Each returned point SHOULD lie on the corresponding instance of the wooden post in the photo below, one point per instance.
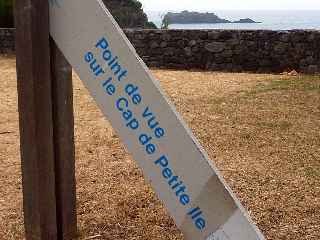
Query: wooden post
(63, 126)
(46, 127)
(35, 115)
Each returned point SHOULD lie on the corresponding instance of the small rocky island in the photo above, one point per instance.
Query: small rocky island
(245, 20)
(186, 17)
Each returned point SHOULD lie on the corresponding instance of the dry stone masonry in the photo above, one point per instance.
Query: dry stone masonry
(7, 39)
(220, 50)
(229, 50)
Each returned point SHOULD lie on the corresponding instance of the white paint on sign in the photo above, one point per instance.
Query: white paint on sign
(173, 161)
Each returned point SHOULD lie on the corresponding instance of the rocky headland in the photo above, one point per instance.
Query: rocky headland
(186, 17)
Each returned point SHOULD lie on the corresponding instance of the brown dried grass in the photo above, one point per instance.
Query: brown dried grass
(261, 130)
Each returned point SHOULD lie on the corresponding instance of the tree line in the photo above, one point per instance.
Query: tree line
(128, 13)
(6, 14)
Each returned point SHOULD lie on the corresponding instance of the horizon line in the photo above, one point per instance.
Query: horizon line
(203, 10)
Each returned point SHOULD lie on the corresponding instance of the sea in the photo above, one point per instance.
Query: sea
(270, 20)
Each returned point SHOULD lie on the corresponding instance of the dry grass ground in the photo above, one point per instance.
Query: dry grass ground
(261, 130)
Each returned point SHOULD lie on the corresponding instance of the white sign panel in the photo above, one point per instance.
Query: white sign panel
(201, 204)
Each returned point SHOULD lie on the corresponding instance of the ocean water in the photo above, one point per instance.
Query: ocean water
(271, 20)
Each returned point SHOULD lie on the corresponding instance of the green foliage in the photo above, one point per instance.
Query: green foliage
(6, 14)
(150, 25)
(128, 13)
(135, 4)
(165, 23)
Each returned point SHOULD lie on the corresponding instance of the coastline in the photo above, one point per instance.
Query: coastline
(272, 20)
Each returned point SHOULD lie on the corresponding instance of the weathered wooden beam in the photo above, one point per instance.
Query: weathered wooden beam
(36, 122)
(63, 126)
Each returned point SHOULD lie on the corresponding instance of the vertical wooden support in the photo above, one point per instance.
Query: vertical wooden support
(35, 114)
(46, 127)
(63, 126)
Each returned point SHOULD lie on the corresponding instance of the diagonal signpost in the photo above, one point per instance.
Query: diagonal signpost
(172, 160)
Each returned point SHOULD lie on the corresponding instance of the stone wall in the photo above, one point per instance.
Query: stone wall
(220, 50)
(229, 50)
(7, 41)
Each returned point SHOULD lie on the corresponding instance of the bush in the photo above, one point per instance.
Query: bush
(165, 23)
(136, 4)
(6, 14)
(150, 25)
(128, 13)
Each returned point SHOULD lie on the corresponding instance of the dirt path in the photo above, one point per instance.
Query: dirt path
(262, 131)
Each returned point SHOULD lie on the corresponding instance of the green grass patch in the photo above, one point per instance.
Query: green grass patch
(279, 125)
(312, 172)
(218, 104)
(300, 83)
